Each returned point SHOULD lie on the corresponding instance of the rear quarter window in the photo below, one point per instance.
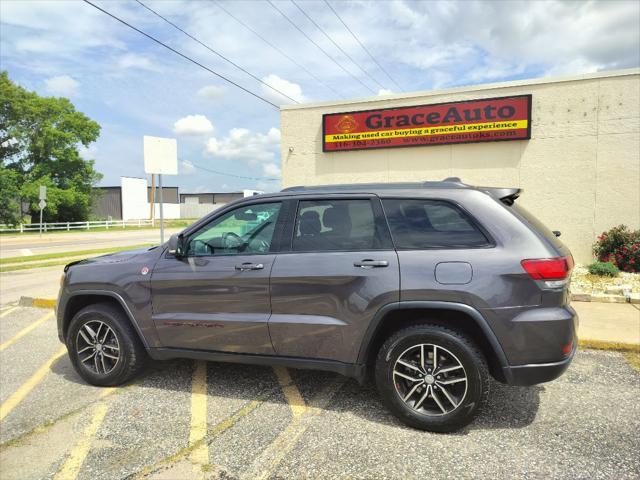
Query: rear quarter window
(419, 224)
(536, 224)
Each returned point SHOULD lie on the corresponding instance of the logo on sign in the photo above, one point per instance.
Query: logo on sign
(346, 124)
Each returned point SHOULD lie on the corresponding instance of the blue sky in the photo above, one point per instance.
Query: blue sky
(134, 87)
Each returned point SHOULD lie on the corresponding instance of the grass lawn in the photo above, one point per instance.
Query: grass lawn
(58, 258)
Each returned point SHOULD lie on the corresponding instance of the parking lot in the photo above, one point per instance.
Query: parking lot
(185, 419)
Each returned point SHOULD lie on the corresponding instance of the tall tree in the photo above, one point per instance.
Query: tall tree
(39, 141)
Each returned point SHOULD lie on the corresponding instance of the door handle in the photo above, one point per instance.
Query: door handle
(367, 263)
(249, 266)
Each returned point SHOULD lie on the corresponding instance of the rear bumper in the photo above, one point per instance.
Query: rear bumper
(534, 373)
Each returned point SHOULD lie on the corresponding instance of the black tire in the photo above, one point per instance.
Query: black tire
(131, 353)
(452, 346)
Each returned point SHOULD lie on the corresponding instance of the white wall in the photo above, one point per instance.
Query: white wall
(134, 198)
(197, 210)
(135, 201)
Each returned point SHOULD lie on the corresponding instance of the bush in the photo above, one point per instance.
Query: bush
(603, 269)
(621, 247)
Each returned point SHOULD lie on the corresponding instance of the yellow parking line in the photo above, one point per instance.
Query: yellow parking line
(71, 467)
(16, 397)
(291, 392)
(198, 432)
(214, 432)
(24, 331)
(267, 462)
(8, 311)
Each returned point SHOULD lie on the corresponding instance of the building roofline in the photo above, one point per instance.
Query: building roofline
(210, 193)
(469, 88)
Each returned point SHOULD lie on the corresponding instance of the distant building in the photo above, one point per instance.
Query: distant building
(129, 202)
(216, 197)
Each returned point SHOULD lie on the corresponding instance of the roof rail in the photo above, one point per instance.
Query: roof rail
(450, 182)
(506, 195)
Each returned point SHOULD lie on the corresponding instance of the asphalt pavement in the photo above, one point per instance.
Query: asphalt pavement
(184, 419)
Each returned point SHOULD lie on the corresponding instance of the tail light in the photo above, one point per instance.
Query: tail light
(554, 271)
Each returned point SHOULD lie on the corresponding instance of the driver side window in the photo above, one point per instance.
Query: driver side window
(244, 230)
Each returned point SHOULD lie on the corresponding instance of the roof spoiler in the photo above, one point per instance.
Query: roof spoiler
(506, 195)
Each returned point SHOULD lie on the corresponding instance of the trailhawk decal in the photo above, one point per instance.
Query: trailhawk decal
(487, 120)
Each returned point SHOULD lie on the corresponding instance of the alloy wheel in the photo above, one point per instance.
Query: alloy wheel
(97, 347)
(430, 379)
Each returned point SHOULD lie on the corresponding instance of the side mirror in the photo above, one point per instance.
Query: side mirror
(176, 245)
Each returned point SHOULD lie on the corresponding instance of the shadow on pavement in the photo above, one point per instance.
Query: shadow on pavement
(508, 407)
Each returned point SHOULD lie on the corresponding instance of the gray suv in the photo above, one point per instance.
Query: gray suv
(429, 287)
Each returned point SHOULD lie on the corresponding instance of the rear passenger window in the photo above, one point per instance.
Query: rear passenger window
(337, 225)
(417, 224)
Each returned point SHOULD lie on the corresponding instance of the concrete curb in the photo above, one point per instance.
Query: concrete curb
(37, 302)
(611, 346)
(605, 298)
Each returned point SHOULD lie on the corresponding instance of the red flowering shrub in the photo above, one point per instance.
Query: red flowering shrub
(621, 247)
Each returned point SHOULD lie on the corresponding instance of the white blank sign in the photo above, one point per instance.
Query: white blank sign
(160, 155)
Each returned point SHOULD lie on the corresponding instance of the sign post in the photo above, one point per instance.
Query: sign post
(160, 157)
(42, 204)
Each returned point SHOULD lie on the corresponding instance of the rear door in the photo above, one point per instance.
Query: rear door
(217, 297)
(438, 244)
(338, 270)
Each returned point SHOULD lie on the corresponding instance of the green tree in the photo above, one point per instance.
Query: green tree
(39, 141)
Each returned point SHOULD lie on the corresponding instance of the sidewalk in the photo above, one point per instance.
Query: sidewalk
(609, 322)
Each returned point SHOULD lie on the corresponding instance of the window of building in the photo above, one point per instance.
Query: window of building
(417, 224)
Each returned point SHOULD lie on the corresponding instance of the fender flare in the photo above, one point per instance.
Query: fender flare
(438, 305)
(118, 298)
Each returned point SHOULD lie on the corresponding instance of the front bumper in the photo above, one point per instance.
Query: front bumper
(534, 373)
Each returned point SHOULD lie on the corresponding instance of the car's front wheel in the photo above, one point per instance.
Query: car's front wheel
(432, 378)
(103, 346)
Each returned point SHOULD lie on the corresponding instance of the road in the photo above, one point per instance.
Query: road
(184, 419)
(31, 244)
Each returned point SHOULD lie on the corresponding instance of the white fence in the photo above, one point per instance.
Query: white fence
(68, 226)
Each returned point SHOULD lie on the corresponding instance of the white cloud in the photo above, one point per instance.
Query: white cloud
(271, 170)
(242, 144)
(187, 168)
(47, 28)
(136, 61)
(211, 92)
(62, 85)
(471, 42)
(292, 90)
(193, 125)
(385, 91)
(88, 152)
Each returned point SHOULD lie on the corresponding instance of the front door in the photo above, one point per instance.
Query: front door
(340, 269)
(217, 296)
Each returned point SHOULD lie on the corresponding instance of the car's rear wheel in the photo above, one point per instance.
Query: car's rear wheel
(103, 346)
(432, 378)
